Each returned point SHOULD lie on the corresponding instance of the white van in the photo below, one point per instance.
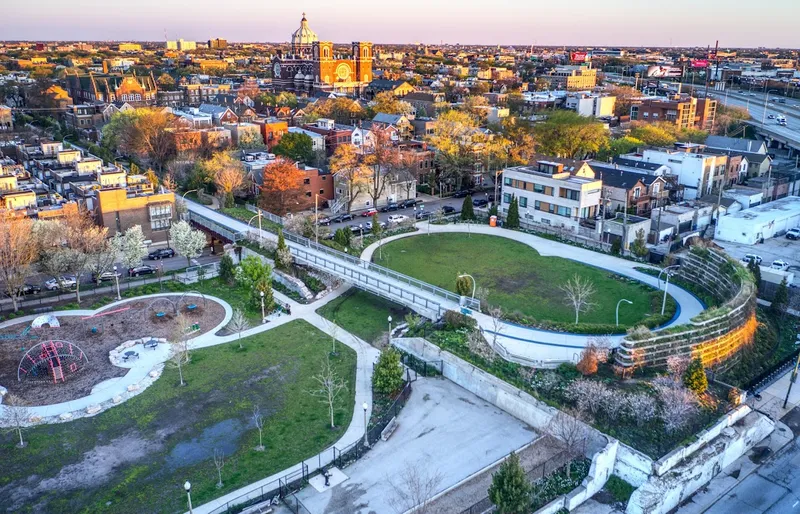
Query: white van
(397, 218)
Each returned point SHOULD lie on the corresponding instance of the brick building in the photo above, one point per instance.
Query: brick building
(123, 207)
(683, 111)
(110, 88)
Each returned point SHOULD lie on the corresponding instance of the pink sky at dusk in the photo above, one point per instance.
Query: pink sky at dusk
(523, 22)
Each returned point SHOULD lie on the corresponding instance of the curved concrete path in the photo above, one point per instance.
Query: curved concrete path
(538, 347)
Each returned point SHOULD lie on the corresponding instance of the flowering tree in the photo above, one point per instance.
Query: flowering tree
(588, 395)
(187, 241)
(131, 244)
(347, 167)
(678, 404)
(18, 250)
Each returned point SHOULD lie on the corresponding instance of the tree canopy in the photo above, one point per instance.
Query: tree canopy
(567, 134)
(295, 146)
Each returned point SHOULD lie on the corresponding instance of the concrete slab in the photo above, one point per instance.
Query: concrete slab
(335, 478)
(755, 492)
(443, 430)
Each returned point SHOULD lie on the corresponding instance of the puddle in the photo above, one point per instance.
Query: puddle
(223, 436)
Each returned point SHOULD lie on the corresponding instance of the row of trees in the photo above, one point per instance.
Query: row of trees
(74, 245)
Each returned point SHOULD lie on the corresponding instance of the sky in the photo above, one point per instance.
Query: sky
(736, 23)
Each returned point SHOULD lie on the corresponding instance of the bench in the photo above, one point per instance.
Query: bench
(387, 432)
(263, 507)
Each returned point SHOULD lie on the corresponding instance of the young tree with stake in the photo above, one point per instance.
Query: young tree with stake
(219, 463)
(17, 417)
(578, 293)
(179, 352)
(238, 324)
(329, 387)
(258, 421)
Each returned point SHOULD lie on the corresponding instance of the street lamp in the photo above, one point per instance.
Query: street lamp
(619, 302)
(390, 330)
(366, 438)
(662, 272)
(259, 215)
(792, 380)
(263, 316)
(188, 487)
(116, 280)
(666, 286)
(473, 283)
(764, 114)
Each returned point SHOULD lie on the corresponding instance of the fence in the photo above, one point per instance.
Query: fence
(565, 235)
(763, 382)
(423, 367)
(281, 489)
(353, 452)
(267, 215)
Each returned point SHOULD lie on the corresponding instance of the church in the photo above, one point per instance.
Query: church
(313, 67)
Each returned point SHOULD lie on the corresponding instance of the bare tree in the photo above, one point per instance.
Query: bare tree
(497, 323)
(329, 387)
(676, 365)
(238, 323)
(413, 487)
(334, 335)
(578, 293)
(18, 250)
(588, 395)
(477, 345)
(219, 463)
(17, 416)
(571, 433)
(678, 404)
(179, 353)
(258, 421)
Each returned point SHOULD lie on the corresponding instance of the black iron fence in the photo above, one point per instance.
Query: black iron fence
(422, 366)
(770, 377)
(273, 493)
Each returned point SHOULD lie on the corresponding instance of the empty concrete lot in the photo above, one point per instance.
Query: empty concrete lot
(443, 430)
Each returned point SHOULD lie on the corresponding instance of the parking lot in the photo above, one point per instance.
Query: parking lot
(776, 248)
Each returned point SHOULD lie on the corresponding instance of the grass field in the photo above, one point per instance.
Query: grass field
(135, 457)
(363, 314)
(518, 279)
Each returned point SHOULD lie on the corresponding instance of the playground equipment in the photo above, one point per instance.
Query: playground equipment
(51, 360)
(25, 334)
(106, 313)
(48, 320)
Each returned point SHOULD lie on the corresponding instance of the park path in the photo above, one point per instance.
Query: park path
(540, 347)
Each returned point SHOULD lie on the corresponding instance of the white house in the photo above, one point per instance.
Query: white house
(591, 104)
(317, 140)
(761, 222)
(696, 170)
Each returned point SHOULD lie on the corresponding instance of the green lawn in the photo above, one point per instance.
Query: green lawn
(135, 457)
(363, 314)
(518, 279)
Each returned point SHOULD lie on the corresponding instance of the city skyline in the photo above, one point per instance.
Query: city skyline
(508, 22)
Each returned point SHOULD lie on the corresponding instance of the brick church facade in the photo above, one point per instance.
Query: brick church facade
(312, 66)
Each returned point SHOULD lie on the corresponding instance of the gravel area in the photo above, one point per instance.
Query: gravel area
(113, 329)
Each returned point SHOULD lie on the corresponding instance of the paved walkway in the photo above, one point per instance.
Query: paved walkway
(542, 346)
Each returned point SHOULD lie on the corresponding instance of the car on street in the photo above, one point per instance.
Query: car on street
(105, 276)
(161, 253)
(144, 269)
(780, 265)
(397, 218)
(423, 215)
(480, 202)
(25, 290)
(462, 194)
(381, 224)
(448, 209)
(793, 234)
(369, 213)
(391, 206)
(751, 257)
(323, 220)
(346, 217)
(771, 117)
(63, 282)
(411, 202)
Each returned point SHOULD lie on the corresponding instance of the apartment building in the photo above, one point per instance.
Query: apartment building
(136, 203)
(590, 104)
(572, 78)
(549, 195)
(698, 171)
(680, 110)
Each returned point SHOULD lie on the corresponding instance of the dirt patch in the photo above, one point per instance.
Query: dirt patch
(96, 468)
(110, 330)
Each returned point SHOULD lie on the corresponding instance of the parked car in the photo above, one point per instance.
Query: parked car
(793, 233)
(323, 220)
(771, 116)
(411, 202)
(369, 213)
(161, 253)
(447, 209)
(391, 206)
(346, 217)
(480, 202)
(25, 290)
(462, 194)
(63, 282)
(382, 224)
(397, 218)
(780, 265)
(423, 215)
(105, 276)
(751, 257)
(144, 269)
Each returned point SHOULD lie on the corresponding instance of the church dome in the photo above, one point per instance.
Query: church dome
(309, 78)
(304, 36)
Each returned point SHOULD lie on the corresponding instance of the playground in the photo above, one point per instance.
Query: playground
(82, 344)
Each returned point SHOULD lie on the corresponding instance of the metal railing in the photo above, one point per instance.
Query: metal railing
(267, 215)
(773, 376)
(216, 227)
(281, 489)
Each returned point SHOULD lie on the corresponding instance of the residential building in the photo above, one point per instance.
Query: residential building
(120, 208)
(88, 118)
(110, 88)
(697, 171)
(185, 46)
(272, 129)
(425, 102)
(397, 121)
(399, 186)
(317, 140)
(244, 133)
(681, 110)
(220, 114)
(591, 104)
(636, 192)
(194, 118)
(217, 44)
(423, 127)
(737, 144)
(333, 133)
(550, 195)
(399, 88)
(129, 47)
(572, 78)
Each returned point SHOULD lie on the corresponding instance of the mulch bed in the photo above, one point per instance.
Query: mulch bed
(112, 330)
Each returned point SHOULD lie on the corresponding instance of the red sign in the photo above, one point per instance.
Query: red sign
(700, 63)
(578, 56)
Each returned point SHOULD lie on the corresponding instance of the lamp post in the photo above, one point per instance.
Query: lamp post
(390, 330)
(662, 272)
(666, 286)
(792, 380)
(188, 487)
(366, 432)
(619, 302)
(183, 198)
(263, 316)
(496, 173)
(766, 98)
(116, 280)
(473, 283)
(259, 226)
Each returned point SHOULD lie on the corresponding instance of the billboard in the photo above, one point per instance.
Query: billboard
(700, 63)
(578, 56)
(664, 71)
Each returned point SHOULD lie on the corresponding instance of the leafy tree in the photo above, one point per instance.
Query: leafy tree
(295, 147)
(781, 299)
(346, 165)
(512, 218)
(283, 257)
(142, 133)
(625, 96)
(386, 102)
(388, 374)
(265, 285)
(493, 210)
(18, 251)
(226, 269)
(616, 247)
(567, 134)
(755, 269)
(281, 186)
(467, 210)
(695, 377)
(654, 134)
(131, 244)
(227, 174)
(252, 270)
(639, 246)
(463, 285)
(342, 236)
(384, 159)
(510, 491)
(619, 146)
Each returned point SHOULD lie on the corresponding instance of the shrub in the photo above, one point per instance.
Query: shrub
(388, 374)
(226, 269)
(695, 377)
(512, 218)
(567, 371)
(616, 247)
(511, 490)
(463, 285)
(456, 321)
(619, 489)
(467, 210)
(588, 363)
